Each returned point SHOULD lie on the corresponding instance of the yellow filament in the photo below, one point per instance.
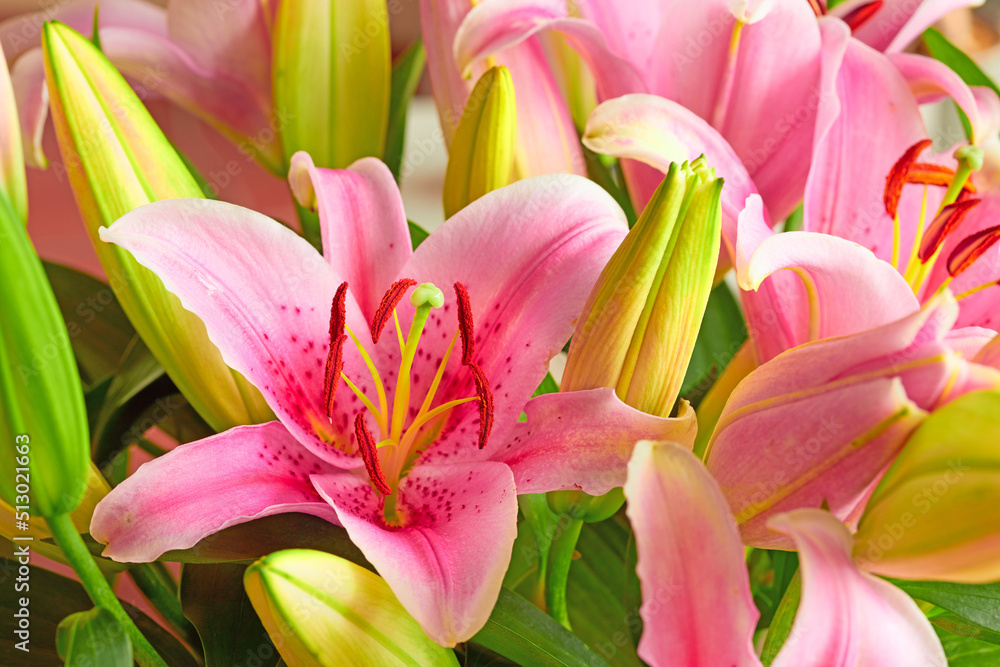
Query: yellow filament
(399, 332)
(437, 376)
(364, 399)
(913, 264)
(895, 242)
(975, 290)
(382, 402)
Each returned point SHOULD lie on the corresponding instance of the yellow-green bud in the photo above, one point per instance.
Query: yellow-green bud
(641, 321)
(117, 159)
(332, 66)
(44, 439)
(935, 514)
(481, 156)
(320, 609)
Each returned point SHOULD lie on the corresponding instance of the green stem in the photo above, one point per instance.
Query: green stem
(97, 587)
(158, 587)
(560, 558)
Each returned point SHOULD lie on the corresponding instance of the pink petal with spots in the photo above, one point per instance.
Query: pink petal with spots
(848, 617)
(264, 294)
(198, 489)
(529, 255)
(583, 440)
(365, 235)
(446, 563)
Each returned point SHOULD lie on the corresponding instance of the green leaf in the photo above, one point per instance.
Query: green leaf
(967, 652)
(603, 592)
(781, 624)
(43, 418)
(548, 386)
(521, 632)
(215, 602)
(979, 603)
(406, 72)
(93, 637)
(941, 49)
(722, 333)
(136, 370)
(417, 233)
(97, 325)
(246, 542)
(53, 598)
(771, 572)
(959, 626)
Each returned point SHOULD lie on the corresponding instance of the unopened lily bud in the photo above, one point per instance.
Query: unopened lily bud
(332, 66)
(45, 450)
(117, 159)
(481, 156)
(935, 514)
(640, 324)
(320, 609)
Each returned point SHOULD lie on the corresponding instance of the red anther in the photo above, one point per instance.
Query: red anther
(858, 17)
(972, 248)
(819, 8)
(485, 395)
(335, 356)
(465, 325)
(946, 222)
(369, 454)
(896, 179)
(389, 301)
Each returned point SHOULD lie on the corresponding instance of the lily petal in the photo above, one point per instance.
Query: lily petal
(658, 131)
(798, 450)
(363, 224)
(493, 26)
(696, 601)
(446, 563)
(869, 118)
(274, 329)
(248, 472)
(582, 440)
(848, 617)
(930, 80)
(844, 288)
(529, 254)
(630, 28)
(778, 60)
(899, 22)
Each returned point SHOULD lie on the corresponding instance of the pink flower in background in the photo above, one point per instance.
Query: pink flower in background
(697, 607)
(415, 451)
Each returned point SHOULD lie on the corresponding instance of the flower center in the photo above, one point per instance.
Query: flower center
(388, 458)
(929, 240)
(854, 19)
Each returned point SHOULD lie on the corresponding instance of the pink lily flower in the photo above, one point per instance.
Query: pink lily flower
(870, 144)
(409, 441)
(697, 608)
(212, 60)
(734, 67)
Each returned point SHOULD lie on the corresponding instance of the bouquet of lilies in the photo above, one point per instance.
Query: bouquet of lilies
(701, 367)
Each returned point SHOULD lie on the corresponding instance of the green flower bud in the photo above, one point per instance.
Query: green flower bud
(935, 514)
(481, 156)
(320, 609)
(332, 66)
(641, 321)
(44, 439)
(117, 159)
